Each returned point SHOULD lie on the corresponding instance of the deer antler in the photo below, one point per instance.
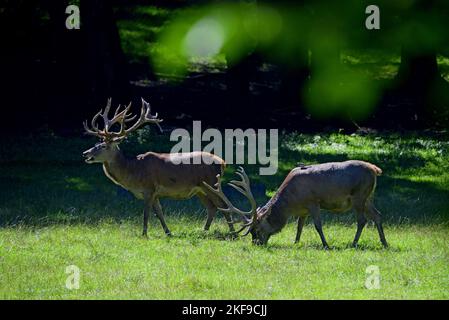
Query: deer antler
(145, 117)
(120, 117)
(242, 186)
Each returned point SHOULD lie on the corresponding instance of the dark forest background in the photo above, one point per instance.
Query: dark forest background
(52, 77)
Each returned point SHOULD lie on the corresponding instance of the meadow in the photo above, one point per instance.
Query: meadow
(57, 211)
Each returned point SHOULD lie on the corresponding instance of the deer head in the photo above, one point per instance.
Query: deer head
(107, 147)
(254, 218)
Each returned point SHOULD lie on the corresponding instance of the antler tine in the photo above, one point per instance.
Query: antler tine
(117, 111)
(120, 117)
(243, 186)
(245, 226)
(94, 131)
(129, 117)
(104, 115)
(94, 120)
(231, 208)
(89, 131)
(148, 114)
(145, 117)
(219, 192)
(108, 107)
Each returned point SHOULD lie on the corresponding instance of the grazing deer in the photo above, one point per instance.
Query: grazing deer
(333, 186)
(152, 176)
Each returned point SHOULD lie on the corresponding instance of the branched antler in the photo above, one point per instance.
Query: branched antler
(145, 117)
(242, 186)
(120, 117)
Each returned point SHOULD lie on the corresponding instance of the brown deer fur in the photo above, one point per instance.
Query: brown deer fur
(152, 176)
(334, 186)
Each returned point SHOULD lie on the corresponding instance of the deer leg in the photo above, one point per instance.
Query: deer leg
(210, 217)
(301, 221)
(211, 211)
(146, 212)
(315, 213)
(158, 210)
(361, 222)
(375, 215)
(210, 208)
(229, 221)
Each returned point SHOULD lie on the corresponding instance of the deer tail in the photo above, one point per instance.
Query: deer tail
(376, 169)
(223, 166)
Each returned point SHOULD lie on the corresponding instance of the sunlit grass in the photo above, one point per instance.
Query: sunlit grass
(375, 64)
(443, 66)
(116, 263)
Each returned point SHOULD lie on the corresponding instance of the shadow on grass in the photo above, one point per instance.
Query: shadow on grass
(53, 186)
(347, 247)
(38, 202)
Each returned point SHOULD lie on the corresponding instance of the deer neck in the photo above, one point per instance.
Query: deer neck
(275, 216)
(118, 169)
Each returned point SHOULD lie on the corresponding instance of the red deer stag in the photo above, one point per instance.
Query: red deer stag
(333, 186)
(152, 176)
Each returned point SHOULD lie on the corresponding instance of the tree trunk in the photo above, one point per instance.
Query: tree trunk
(105, 64)
(420, 82)
(418, 79)
(418, 71)
(293, 79)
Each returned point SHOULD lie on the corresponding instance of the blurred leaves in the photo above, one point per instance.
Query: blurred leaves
(280, 32)
(337, 91)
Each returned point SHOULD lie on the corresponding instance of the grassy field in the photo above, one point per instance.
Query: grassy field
(56, 211)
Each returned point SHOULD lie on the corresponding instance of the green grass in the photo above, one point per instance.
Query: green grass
(56, 211)
(140, 28)
(115, 263)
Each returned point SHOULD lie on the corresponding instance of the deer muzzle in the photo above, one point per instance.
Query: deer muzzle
(88, 157)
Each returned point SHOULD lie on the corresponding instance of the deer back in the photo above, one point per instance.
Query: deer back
(327, 183)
